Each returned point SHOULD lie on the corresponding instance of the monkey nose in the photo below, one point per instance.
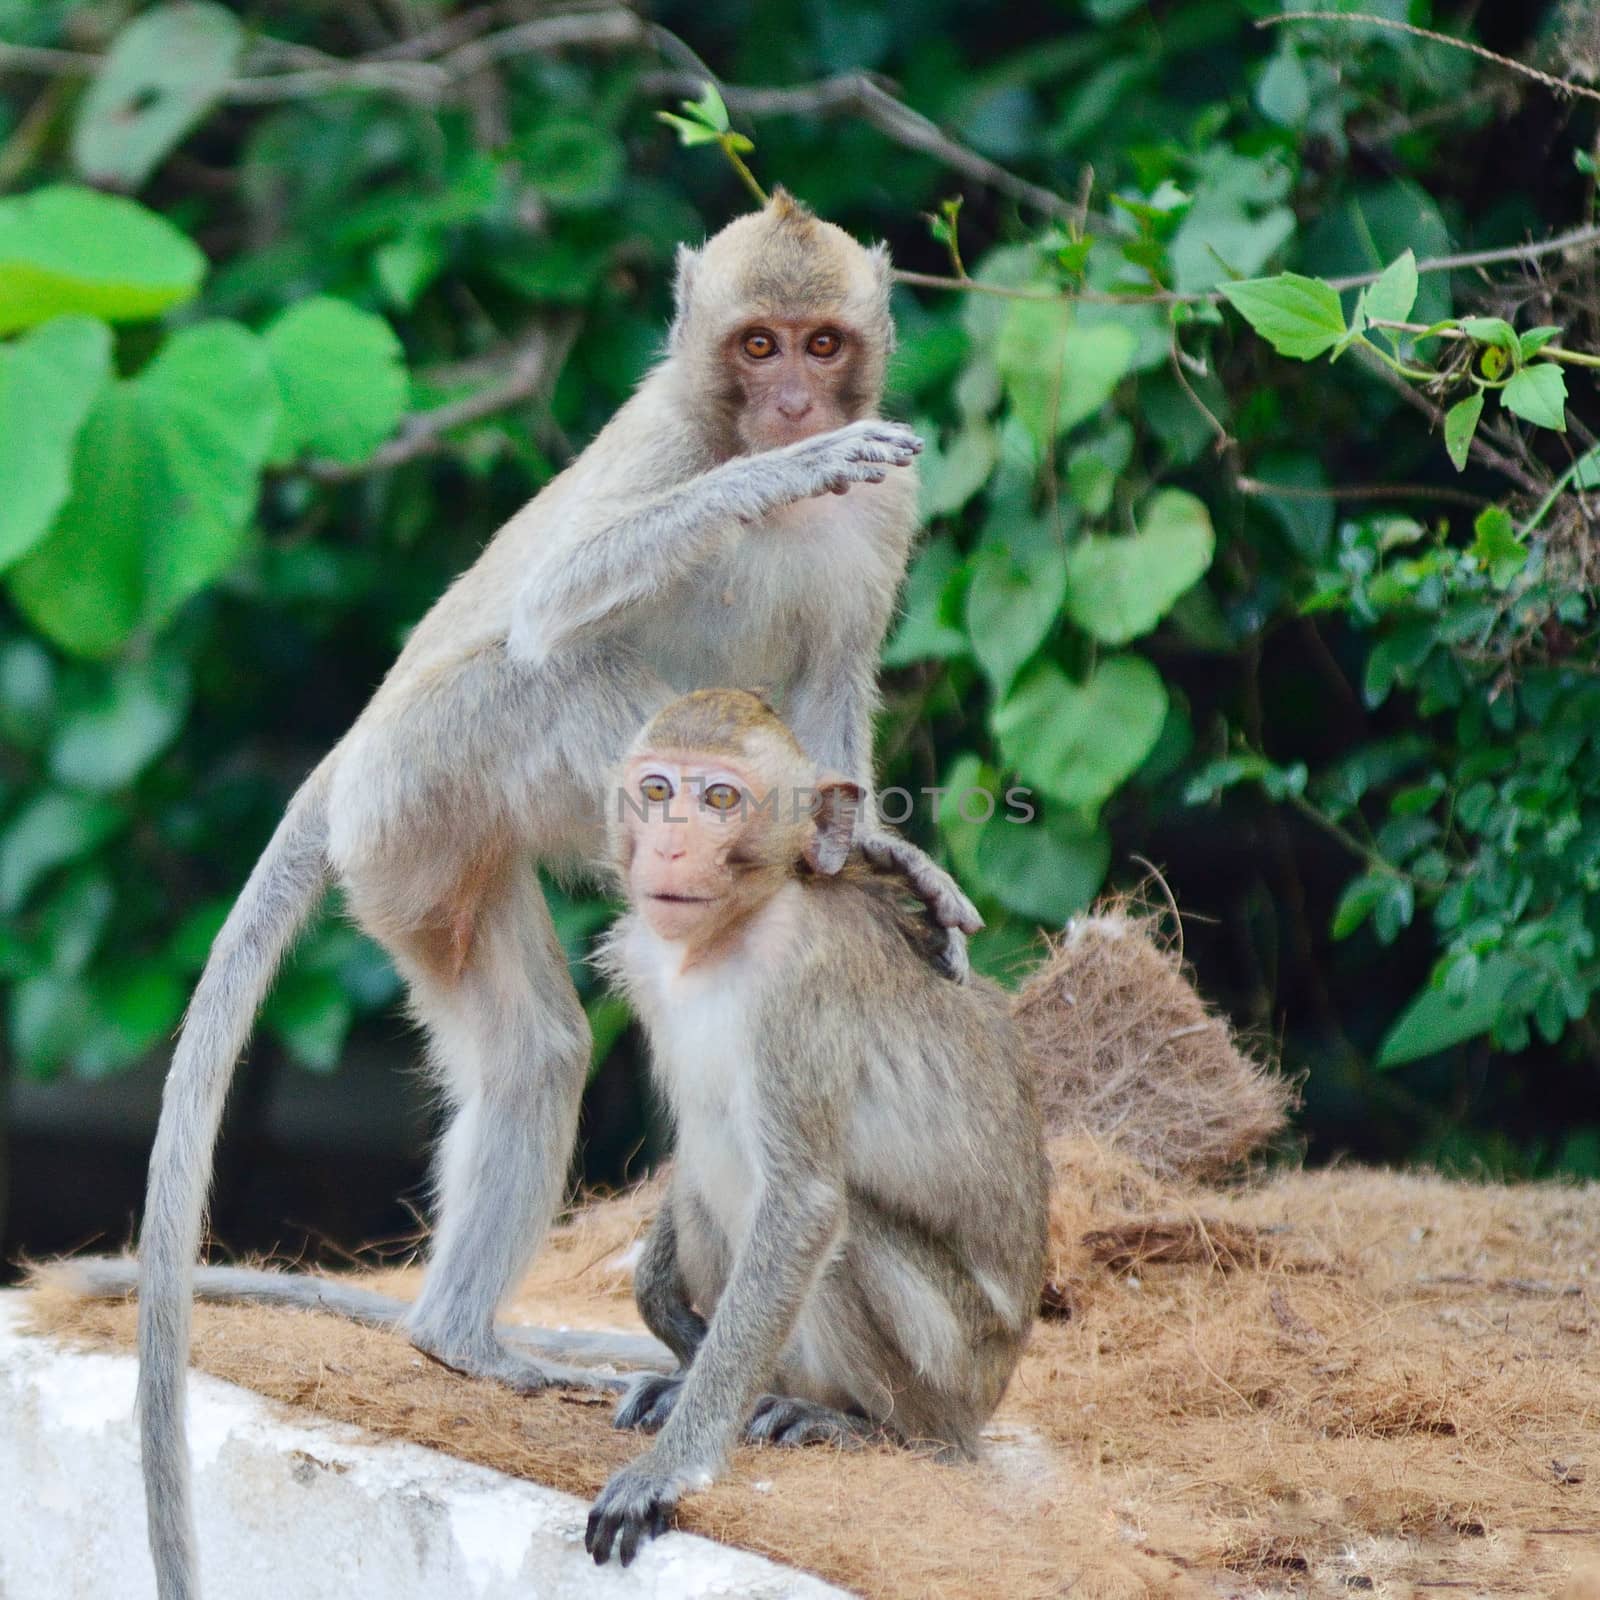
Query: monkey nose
(794, 406)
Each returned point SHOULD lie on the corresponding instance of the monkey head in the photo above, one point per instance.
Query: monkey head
(783, 324)
(715, 809)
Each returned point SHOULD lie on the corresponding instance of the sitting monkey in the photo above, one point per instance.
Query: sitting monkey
(858, 1203)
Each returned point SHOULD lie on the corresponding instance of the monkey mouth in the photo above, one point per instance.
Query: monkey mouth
(683, 899)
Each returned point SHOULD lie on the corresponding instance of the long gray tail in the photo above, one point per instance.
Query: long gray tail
(111, 1277)
(281, 894)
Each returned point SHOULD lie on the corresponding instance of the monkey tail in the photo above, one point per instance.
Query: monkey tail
(282, 892)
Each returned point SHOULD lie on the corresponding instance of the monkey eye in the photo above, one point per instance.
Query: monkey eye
(655, 788)
(827, 343)
(758, 346)
(721, 796)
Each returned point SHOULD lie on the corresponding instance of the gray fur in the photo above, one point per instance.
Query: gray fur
(659, 561)
(858, 1202)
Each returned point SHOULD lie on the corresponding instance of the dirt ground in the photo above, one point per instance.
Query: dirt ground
(1310, 1383)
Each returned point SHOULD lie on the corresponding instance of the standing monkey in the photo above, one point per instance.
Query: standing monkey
(696, 541)
(858, 1198)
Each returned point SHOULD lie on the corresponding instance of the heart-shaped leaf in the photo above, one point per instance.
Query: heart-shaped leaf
(1011, 603)
(1077, 741)
(1297, 316)
(48, 381)
(342, 378)
(1119, 587)
(165, 482)
(1056, 370)
(163, 73)
(1539, 393)
(65, 249)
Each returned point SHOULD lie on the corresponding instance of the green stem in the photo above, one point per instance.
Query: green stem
(1346, 838)
(1420, 374)
(1555, 494)
(746, 175)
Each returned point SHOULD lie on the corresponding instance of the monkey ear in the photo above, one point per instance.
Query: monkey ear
(834, 811)
(883, 274)
(687, 260)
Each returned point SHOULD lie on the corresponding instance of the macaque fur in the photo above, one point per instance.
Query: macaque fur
(697, 541)
(859, 1195)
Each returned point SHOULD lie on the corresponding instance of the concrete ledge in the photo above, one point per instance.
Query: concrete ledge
(316, 1511)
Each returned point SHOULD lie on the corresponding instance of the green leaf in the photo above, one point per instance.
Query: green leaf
(929, 628)
(689, 133)
(108, 742)
(165, 482)
(132, 1013)
(27, 693)
(1120, 587)
(1277, 782)
(310, 1012)
(1283, 91)
(1535, 339)
(48, 381)
(65, 249)
(950, 474)
(574, 164)
(1012, 602)
(341, 377)
(165, 70)
(48, 832)
(1391, 298)
(1460, 424)
(1078, 741)
(1047, 869)
(709, 108)
(1497, 549)
(1491, 330)
(1432, 1022)
(1056, 370)
(48, 1017)
(1297, 316)
(1538, 393)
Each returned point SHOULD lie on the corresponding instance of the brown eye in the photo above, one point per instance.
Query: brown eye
(655, 789)
(721, 796)
(825, 344)
(758, 346)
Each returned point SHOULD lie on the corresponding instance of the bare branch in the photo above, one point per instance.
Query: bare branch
(859, 95)
(531, 373)
(1510, 63)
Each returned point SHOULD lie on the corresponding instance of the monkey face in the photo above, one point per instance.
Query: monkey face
(793, 377)
(696, 834)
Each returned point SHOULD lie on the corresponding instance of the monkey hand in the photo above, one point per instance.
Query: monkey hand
(861, 452)
(637, 1504)
(649, 1401)
(934, 887)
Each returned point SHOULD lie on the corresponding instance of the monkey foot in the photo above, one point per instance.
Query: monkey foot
(637, 1505)
(649, 1402)
(521, 1374)
(780, 1420)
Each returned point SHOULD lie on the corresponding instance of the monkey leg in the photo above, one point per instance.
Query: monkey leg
(510, 1046)
(660, 1292)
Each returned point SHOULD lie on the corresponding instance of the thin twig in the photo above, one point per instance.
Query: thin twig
(858, 94)
(1360, 491)
(530, 374)
(1480, 449)
(1560, 85)
(1574, 239)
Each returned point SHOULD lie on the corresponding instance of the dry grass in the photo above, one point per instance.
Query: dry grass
(1310, 1383)
(1313, 1380)
(1130, 1053)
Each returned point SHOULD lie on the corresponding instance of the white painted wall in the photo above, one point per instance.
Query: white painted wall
(297, 1511)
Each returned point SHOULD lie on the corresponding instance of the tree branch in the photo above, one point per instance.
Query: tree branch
(532, 372)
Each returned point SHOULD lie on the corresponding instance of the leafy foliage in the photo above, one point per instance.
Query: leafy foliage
(1196, 576)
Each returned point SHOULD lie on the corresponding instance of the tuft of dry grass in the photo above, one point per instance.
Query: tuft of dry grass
(1128, 1052)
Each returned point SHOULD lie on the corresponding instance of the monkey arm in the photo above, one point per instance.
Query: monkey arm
(639, 548)
(797, 1221)
(831, 714)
